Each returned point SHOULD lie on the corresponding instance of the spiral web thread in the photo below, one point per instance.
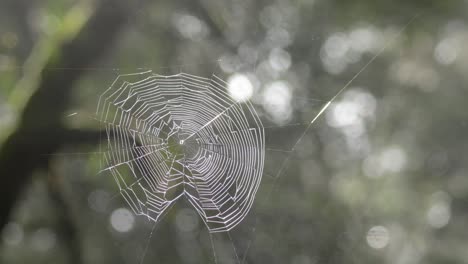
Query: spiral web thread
(182, 136)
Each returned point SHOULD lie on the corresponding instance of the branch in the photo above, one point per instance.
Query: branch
(40, 130)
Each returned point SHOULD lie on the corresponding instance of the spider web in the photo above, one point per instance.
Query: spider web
(182, 136)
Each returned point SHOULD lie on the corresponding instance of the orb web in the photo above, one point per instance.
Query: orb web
(182, 136)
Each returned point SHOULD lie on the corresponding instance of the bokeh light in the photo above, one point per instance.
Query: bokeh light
(187, 220)
(12, 234)
(276, 98)
(378, 237)
(122, 220)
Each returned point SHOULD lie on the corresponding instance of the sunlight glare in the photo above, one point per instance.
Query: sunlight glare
(240, 88)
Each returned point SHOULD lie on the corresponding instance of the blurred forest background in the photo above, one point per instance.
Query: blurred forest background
(381, 176)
